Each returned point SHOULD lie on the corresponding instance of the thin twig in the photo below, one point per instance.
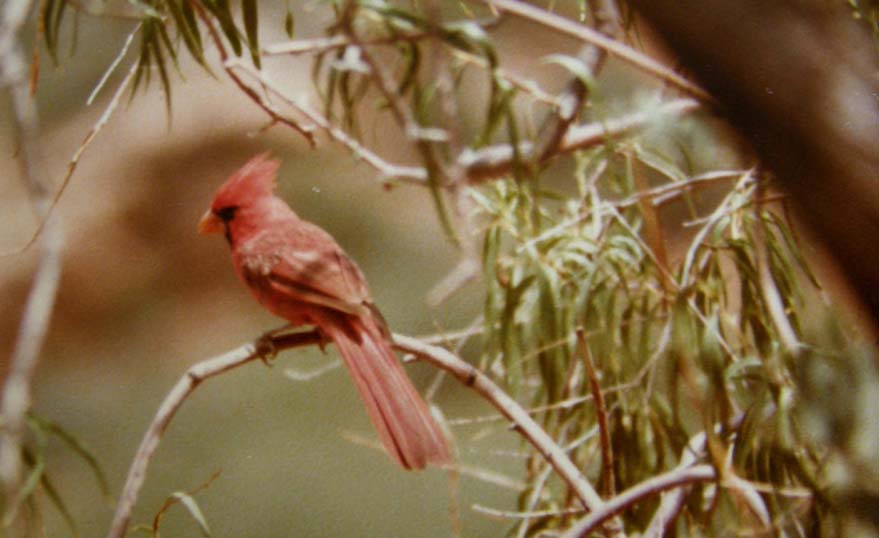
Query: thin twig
(613, 47)
(389, 171)
(529, 86)
(494, 161)
(193, 377)
(34, 324)
(530, 430)
(673, 479)
(305, 130)
(607, 465)
(507, 514)
(77, 155)
(593, 58)
(114, 64)
(436, 356)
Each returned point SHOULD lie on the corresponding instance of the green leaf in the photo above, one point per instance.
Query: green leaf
(192, 24)
(251, 24)
(53, 13)
(145, 60)
(508, 335)
(191, 506)
(223, 14)
(78, 447)
(187, 29)
(58, 502)
(163, 72)
(289, 23)
(412, 57)
(573, 65)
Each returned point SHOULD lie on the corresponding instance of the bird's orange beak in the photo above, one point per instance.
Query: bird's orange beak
(210, 224)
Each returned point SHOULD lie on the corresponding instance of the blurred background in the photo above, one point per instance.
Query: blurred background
(143, 297)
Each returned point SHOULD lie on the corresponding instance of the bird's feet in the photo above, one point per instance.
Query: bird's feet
(266, 349)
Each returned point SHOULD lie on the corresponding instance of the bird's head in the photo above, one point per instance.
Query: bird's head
(252, 183)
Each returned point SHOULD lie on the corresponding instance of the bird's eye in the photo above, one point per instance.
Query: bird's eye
(226, 213)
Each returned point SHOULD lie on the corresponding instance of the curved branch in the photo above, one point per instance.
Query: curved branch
(242, 355)
(672, 479)
(16, 397)
(494, 161)
(478, 381)
(613, 47)
(185, 386)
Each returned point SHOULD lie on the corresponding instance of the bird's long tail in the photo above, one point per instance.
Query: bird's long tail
(404, 423)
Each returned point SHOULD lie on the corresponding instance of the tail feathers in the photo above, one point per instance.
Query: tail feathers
(405, 426)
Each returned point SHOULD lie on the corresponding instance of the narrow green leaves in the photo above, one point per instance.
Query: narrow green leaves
(251, 22)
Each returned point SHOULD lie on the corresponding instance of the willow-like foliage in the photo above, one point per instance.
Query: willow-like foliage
(667, 249)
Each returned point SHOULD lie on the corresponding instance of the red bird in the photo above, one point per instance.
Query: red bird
(298, 272)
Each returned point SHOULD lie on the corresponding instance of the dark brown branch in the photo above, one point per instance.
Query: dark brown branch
(609, 488)
(307, 131)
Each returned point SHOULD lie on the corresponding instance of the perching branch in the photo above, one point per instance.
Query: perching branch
(185, 386)
(533, 433)
(437, 356)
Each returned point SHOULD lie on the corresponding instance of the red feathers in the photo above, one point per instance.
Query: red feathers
(298, 272)
(253, 180)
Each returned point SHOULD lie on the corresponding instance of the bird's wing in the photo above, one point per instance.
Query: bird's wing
(305, 265)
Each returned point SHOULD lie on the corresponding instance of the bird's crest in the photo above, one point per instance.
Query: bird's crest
(256, 179)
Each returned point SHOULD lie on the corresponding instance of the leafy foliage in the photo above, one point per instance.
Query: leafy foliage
(678, 263)
(39, 481)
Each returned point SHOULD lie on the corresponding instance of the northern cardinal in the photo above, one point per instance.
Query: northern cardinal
(298, 272)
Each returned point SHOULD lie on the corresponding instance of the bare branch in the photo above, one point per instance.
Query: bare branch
(673, 501)
(305, 130)
(494, 161)
(592, 58)
(673, 479)
(16, 397)
(185, 386)
(436, 356)
(390, 171)
(478, 381)
(601, 412)
(615, 48)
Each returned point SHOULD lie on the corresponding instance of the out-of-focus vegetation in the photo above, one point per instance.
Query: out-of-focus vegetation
(657, 266)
